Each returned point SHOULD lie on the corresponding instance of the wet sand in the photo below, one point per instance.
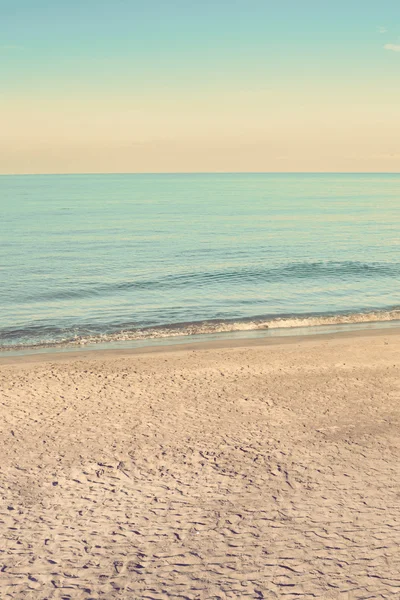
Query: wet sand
(255, 469)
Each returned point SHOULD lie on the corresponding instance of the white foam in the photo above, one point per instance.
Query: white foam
(232, 326)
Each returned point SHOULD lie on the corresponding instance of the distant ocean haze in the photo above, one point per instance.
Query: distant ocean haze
(90, 258)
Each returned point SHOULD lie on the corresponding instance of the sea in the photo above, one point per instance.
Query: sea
(133, 259)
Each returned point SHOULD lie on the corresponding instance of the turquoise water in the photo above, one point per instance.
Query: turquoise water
(95, 258)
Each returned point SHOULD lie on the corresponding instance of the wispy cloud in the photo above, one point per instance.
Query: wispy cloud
(11, 47)
(393, 47)
(382, 29)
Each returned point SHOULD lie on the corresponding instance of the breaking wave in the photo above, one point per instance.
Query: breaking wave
(58, 338)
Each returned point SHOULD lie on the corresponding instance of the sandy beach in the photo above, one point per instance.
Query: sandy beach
(259, 470)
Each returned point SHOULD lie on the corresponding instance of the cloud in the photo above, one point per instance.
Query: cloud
(382, 29)
(393, 47)
(11, 47)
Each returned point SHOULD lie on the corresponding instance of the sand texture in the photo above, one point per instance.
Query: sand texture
(259, 472)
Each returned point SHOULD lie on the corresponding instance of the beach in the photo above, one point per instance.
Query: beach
(259, 469)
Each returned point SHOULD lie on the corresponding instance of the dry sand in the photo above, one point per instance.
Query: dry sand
(267, 471)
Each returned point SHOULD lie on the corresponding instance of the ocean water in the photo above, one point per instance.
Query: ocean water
(98, 258)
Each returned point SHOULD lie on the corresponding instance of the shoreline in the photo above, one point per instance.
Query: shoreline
(209, 329)
(179, 346)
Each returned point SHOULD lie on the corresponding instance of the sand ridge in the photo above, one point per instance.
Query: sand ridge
(260, 472)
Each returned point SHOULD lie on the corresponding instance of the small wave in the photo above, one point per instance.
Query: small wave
(253, 275)
(211, 327)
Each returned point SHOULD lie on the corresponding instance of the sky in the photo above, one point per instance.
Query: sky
(199, 86)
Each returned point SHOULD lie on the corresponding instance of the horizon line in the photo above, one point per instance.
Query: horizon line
(69, 173)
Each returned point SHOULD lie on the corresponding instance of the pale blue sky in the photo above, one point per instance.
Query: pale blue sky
(193, 80)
